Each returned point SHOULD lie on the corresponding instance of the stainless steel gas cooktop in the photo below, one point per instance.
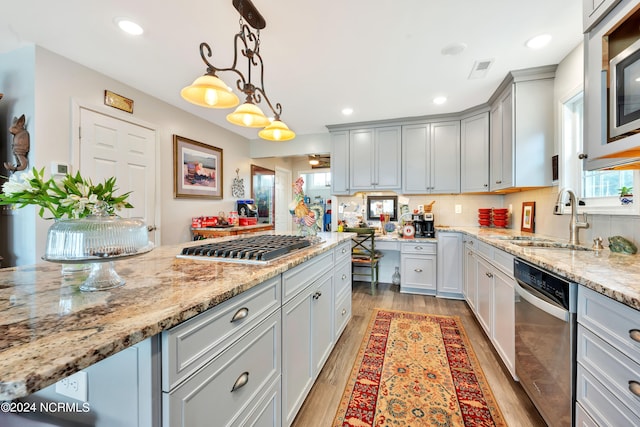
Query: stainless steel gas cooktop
(250, 250)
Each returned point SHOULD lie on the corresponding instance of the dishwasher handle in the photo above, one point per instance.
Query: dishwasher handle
(551, 309)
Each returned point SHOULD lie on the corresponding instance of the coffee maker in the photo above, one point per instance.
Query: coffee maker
(424, 225)
(247, 208)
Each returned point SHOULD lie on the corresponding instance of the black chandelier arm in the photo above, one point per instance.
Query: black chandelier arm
(277, 111)
(205, 51)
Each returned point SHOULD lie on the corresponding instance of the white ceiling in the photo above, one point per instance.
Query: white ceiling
(382, 58)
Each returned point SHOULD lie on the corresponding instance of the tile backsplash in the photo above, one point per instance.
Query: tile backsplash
(546, 223)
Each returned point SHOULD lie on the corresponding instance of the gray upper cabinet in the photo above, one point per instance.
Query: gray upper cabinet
(340, 162)
(594, 10)
(374, 159)
(522, 132)
(474, 141)
(431, 158)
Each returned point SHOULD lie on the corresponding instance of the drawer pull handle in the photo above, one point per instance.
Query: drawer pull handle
(635, 334)
(344, 311)
(344, 250)
(489, 275)
(634, 387)
(317, 295)
(344, 276)
(240, 314)
(418, 270)
(242, 381)
(418, 248)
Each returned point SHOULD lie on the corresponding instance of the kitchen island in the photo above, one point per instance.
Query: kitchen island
(50, 329)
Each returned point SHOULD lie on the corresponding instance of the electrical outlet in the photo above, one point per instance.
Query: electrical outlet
(510, 208)
(458, 209)
(74, 386)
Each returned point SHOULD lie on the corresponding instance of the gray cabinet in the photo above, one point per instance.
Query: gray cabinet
(522, 132)
(431, 158)
(307, 329)
(418, 267)
(375, 159)
(474, 142)
(608, 351)
(601, 153)
(593, 11)
(449, 269)
(340, 162)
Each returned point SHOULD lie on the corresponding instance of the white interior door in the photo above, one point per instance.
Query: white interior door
(114, 147)
(283, 219)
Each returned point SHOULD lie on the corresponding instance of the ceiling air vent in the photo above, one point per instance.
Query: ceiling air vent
(480, 69)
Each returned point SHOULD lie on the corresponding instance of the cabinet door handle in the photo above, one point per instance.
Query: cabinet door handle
(635, 334)
(486, 185)
(242, 381)
(317, 295)
(344, 311)
(344, 250)
(240, 314)
(634, 387)
(418, 270)
(489, 275)
(498, 182)
(344, 276)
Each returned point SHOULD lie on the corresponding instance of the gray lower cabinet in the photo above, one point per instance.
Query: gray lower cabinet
(449, 269)
(418, 267)
(608, 354)
(307, 330)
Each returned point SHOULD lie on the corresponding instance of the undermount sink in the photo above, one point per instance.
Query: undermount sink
(523, 239)
(549, 244)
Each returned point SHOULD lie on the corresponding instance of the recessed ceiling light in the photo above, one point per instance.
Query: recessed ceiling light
(453, 49)
(539, 42)
(439, 100)
(347, 111)
(129, 26)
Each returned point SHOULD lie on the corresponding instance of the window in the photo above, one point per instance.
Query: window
(598, 189)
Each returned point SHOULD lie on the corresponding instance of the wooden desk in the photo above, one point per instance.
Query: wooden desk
(209, 232)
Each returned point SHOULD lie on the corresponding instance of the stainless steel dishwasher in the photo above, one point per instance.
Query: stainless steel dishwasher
(545, 341)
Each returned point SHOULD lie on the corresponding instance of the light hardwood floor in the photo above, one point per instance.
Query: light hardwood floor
(320, 406)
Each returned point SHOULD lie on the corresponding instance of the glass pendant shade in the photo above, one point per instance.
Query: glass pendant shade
(277, 131)
(248, 115)
(211, 92)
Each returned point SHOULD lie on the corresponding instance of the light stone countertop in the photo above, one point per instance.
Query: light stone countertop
(612, 274)
(49, 329)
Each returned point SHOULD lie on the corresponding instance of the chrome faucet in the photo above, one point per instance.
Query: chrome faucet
(574, 225)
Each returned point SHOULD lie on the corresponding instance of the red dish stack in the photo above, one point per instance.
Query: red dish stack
(500, 217)
(484, 217)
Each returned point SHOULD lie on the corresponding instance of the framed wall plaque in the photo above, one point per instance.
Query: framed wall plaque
(528, 216)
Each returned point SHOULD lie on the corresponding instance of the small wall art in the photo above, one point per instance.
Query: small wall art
(197, 169)
(528, 216)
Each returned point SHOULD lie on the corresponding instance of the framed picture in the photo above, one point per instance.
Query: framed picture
(197, 169)
(528, 216)
(377, 205)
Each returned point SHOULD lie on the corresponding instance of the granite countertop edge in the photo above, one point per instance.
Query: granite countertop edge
(50, 330)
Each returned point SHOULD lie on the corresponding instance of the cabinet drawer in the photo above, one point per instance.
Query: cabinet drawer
(419, 248)
(486, 250)
(342, 313)
(582, 418)
(418, 272)
(209, 394)
(612, 368)
(615, 322)
(342, 276)
(385, 245)
(470, 243)
(504, 261)
(600, 403)
(298, 278)
(190, 345)
(342, 252)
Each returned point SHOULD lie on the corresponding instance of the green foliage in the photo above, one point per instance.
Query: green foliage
(72, 197)
(625, 191)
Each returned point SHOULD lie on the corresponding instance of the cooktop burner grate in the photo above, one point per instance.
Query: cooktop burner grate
(250, 250)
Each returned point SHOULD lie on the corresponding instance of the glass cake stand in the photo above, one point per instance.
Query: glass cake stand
(98, 240)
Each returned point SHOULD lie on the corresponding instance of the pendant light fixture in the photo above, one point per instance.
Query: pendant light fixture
(211, 92)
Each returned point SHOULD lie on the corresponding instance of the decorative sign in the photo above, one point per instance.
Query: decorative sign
(118, 101)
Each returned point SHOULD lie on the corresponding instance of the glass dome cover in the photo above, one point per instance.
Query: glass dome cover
(98, 239)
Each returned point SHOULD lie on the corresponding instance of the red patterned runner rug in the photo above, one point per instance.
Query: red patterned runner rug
(416, 369)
